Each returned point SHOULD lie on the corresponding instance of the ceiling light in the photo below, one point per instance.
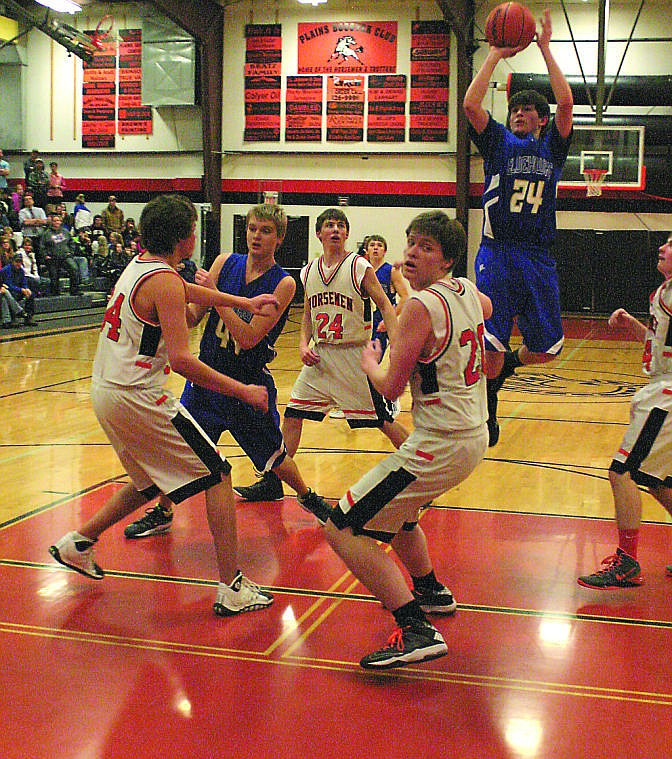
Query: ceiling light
(61, 6)
(312, 2)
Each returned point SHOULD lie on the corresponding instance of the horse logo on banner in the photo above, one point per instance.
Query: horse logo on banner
(346, 48)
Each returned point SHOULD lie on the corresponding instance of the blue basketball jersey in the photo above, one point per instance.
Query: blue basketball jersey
(521, 179)
(218, 348)
(384, 276)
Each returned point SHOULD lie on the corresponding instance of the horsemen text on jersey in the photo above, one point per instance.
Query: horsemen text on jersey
(340, 311)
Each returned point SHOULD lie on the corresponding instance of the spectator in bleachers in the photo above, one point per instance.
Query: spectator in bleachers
(113, 216)
(37, 283)
(129, 231)
(17, 197)
(116, 263)
(82, 215)
(6, 250)
(187, 270)
(67, 219)
(97, 228)
(38, 184)
(14, 278)
(33, 221)
(29, 163)
(56, 182)
(4, 171)
(56, 251)
(9, 308)
(83, 253)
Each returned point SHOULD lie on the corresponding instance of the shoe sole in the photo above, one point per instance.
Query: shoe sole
(435, 652)
(445, 610)
(258, 500)
(223, 611)
(148, 533)
(53, 550)
(620, 586)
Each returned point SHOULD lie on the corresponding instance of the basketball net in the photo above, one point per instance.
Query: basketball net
(594, 179)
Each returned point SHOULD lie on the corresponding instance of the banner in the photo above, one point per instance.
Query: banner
(99, 90)
(263, 70)
(430, 52)
(361, 47)
(132, 117)
(386, 121)
(345, 108)
(303, 115)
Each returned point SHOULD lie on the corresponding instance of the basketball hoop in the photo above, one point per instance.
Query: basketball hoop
(102, 32)
(594, 179)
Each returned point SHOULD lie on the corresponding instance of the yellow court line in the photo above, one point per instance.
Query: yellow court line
(291, 629)
(409, 673)
(326, 613)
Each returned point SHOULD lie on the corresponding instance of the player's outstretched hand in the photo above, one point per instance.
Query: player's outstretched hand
(261, 304)
(204, 279)
(620, 318)
(257, 397)
(371, 355)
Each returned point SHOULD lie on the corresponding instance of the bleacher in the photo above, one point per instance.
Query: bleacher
(65, 310)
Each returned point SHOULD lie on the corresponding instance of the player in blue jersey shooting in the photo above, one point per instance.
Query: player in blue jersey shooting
(514, 267)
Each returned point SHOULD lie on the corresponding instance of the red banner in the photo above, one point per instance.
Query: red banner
(303, 116)
(386, 121)
(430, 52)
(345, 108)
(361, 47)
(133, 116)
(263, 69)
(99, 91)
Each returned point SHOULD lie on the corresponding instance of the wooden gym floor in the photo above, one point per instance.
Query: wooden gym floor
(137, 665)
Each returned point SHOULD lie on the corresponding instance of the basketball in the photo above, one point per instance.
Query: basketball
(510, 25)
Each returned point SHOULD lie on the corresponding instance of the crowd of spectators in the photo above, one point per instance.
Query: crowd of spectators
(41, 241)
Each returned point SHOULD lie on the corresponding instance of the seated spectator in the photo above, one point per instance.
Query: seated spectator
(9, 308)
(100, 257)
(117, 261)
(82, 215)
(38, 184)
(113, 216)
(129, 232)
(14, 278)
(97, 228)
(33, 221)
(67, 219)
(57, 253)
(17, 197)
(37, 283)
(187, 270)
(56, 182)
(7, 250)
(83, 253)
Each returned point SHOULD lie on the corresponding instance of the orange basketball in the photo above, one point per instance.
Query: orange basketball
(510, 25)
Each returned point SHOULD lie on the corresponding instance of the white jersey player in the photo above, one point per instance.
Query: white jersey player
(439, 348)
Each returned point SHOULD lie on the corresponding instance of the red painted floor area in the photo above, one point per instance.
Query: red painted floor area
(137, 665)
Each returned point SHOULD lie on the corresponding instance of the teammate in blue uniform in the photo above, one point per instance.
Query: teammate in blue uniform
(240, 344)
(522, 163)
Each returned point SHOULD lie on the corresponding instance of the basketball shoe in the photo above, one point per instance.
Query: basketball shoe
(241, 596)
(155, 522)
(619, 571)
(437, 601)
(269, 488)
(75, 551)
(416, 641)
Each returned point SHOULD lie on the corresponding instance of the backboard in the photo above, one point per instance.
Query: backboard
(617, 149)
